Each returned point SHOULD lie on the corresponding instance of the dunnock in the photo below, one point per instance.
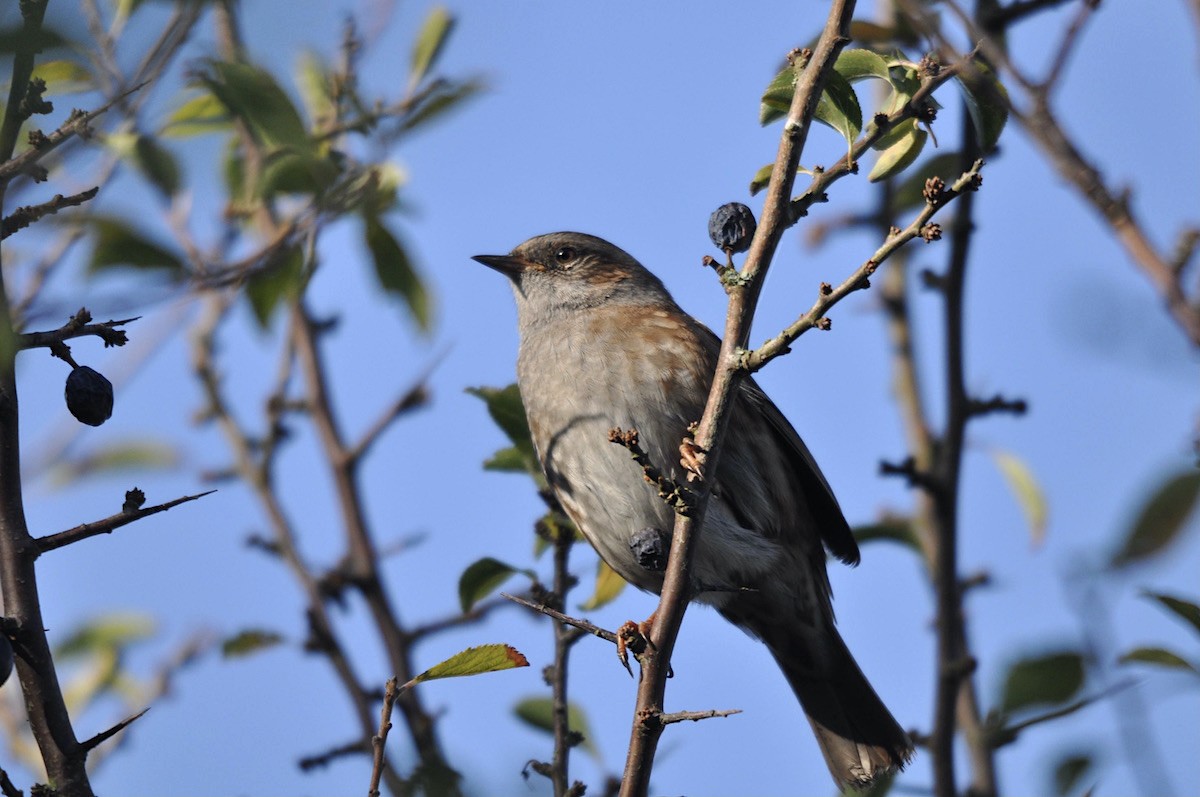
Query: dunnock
(604, 345)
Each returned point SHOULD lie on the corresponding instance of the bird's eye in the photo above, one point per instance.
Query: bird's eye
(565, 255)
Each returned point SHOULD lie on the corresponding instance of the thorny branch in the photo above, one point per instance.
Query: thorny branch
(23, 216)
(776, 217)
(130, 513)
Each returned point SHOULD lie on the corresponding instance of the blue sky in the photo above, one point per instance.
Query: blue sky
(633, 122)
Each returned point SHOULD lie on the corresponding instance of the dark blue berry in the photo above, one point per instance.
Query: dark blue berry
(89, 396)
(731, 227)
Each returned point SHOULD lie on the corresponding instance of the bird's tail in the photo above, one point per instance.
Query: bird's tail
(859, 737)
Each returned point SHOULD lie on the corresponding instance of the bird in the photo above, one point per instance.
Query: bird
(603, 345)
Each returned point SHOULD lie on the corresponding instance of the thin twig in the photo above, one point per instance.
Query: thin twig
(582, 625)
(1067, 45)
(77, 327)
(23, 216)
(7, 787)
(920, 227)
(319, 760)
(696, 716)
(77, 124)
(108, 524)
(103, 736)
(379, 740)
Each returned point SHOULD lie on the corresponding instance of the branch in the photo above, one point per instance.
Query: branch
(310, 762)
(676, 496)
(23, 216)
(582, 625)
(78, 327)
(129, 513)
(696, 716)
(7, 787)
(743, 297)
(415, 397)
(379, 740)
(1060, 150)
(42, 145)
(100, 738)
(937, 196)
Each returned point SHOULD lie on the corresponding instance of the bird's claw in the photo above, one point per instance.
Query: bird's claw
(691, 457)
(634, 637)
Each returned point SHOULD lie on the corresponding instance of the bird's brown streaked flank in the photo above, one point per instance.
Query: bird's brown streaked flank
(604, 345)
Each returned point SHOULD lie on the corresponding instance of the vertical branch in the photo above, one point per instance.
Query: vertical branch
(564, 638)
(49, 720)
(743, 298)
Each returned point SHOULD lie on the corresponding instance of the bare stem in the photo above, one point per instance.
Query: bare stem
(743, 297)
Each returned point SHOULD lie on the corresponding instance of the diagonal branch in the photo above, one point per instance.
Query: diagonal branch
(77, 327)
(43, 145)
(104, 736)
(743, 298)
(23, 216)
(109, 524)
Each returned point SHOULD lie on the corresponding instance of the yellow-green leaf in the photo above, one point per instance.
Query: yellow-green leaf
(273, 283)
(858, 64)
(429, 43)
(64, 77)
(203, 113)
(1160, 657)
(895, 529)
(900, 155)
(474, 661)
(608, 586)
(1026, 490)
(106, 633)
(251, 640)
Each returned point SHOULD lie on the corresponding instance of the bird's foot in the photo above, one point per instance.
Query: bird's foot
(691, 457)
(634, 637)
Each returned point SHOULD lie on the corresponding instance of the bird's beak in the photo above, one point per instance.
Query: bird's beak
(506, 264)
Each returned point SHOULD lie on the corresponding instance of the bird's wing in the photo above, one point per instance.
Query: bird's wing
(818, 495)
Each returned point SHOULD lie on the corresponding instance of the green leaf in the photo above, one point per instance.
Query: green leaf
(508, 460)
(249, 641)
(273, 283)
(1160, 519)
(538, 712)
(777, 99)
(203, 113)
(1026, 490)
(440, 101)
(158, 165)
(1050, 679)
(64, 77)
(117, 245)
(858, 64)
(506, 409)
(1069, 770)
(429, 43)
(252, 95)
(395, 271)
(1188, 611)
(761, 179)
(290, 172)
(474, 661)
(107, 633)
(894, 529)
(910, 193)
(900, 155)
(608, 586)
(482, 577)
(987, 104)
(1160, 657)
(839, 108)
